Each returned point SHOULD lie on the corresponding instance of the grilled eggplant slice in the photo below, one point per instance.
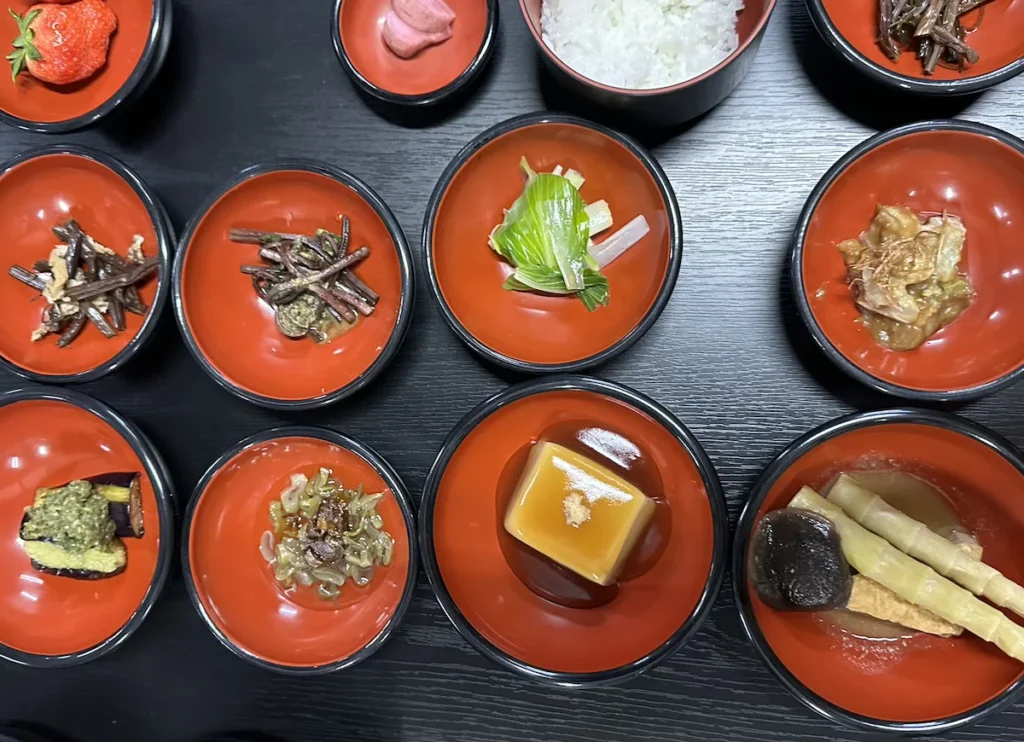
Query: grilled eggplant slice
(123, 490)
(93, 564)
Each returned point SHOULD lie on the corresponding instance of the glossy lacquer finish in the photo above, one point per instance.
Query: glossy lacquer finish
(931, 684)
(45, 188)
(234, 588)
(971, 171)
(232, 331)
(670, 105)
(531, 331)
(434, 73)
(852, 29)
(30, 101)
(47, 439)
(650, 616)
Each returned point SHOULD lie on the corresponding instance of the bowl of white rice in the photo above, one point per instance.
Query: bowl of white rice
(662, 62)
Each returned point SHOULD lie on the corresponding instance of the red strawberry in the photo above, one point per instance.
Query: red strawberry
(61, 44)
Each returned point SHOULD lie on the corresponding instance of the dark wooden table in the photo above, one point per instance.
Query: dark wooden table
(252, 80)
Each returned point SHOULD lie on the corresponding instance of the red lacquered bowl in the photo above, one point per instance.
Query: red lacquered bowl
(973, 171)
(48, 437)
(137, 50)
(47, 186)
(846, 679)
(851, 30)
(233, 588)
(650, 617)
(231, 331)
(531, 332)
(435, 74)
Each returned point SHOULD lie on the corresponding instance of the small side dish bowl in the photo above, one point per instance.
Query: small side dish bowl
(921, 685)
(531, 332)
(234, 589)
(433, 75)
(232, 332)
(851, 31)
(970, 170)
(47, 186)
(672, 105)
(463, 542)
(137, 51)
(49, 436)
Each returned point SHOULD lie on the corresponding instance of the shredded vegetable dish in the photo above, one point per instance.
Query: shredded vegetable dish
(323, 534)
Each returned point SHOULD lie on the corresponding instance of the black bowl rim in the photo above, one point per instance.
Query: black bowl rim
(755, 34)
(165, 242)
(661, 415)
(675, 242)
(391, 479)
(160, 24)
(797, 251)
(745, 525)
(483, 56)
(163, 489)
(919, 86)
(405, 308)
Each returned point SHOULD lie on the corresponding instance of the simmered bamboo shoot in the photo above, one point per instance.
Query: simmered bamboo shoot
(915, 539)
(877, 559)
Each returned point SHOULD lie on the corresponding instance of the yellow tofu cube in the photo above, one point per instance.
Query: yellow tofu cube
(577, 512)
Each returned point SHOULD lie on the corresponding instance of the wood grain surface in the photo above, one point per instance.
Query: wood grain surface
(253, 80)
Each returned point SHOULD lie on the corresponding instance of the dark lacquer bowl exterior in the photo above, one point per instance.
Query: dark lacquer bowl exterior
(249, 615)
(436, 74)
(94, 617)
(523, 632)
(253, 360)
(112, 203)
(529, 332)
(669, 106)
(851, 31)
(137, 52)
(972, 171)
(982, 473)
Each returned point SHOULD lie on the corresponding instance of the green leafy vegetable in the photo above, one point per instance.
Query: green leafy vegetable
(545, 235)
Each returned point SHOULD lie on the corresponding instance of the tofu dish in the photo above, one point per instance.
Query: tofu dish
(882, 555)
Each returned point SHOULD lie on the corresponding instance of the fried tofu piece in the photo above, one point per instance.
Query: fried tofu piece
(870, 598)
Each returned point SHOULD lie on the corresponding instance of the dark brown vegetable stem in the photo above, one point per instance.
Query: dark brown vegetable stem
(351, 297)
(96, 317)
(334, 302)
(371, 296)
(885, 16)
(73, 330)
(966, 6)
(92, 290)
(27, 277)
(931, 17)
(943, 36)
(300, 282)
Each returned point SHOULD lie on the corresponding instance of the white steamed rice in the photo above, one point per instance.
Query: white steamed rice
(641, 43)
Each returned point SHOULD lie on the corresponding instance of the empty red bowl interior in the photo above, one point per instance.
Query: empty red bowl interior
(931, 678)
(970, 175)
(751, 18)
(35, 196)
(45, 443)
(235, 584)
(33, 100)
(538, 328)
(235, 330)
(998, 40)
(646, 612)
(433, 68)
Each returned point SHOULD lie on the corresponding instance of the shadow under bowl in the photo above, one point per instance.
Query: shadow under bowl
(461, 526)
(927, 685)
(137, 50)
(667, 106)
(851, 31)
(969, 170)
(41, 189)
(49, 436)
(232, 332)
(526, 331)
(232, 586)
(435, 74)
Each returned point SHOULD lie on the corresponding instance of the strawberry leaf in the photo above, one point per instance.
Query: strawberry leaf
(24, 49)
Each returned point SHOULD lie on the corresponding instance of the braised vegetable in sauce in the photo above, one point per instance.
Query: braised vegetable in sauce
(75, 517)
(934, 31)
(309, 281)
(323, 534)
(905, 277)
(85, 282)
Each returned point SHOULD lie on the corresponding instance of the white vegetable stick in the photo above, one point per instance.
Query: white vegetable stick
(618, 243)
